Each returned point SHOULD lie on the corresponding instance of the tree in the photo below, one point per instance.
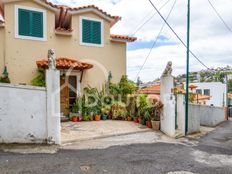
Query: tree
(127, 86)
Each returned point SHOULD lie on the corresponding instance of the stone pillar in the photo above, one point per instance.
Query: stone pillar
(168, 99)
(53, 106)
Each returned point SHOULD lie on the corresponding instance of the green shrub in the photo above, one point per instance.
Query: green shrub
(39, 80)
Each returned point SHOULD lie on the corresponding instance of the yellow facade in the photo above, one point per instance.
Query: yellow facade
(20, 55)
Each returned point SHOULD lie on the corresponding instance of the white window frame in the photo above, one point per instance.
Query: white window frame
(102, 31)
(17, 7)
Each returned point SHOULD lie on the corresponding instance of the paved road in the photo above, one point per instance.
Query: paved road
(211, 155)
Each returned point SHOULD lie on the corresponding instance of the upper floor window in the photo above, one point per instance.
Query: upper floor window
(207, 92)
(91, 32)
(199, 91)
(30, 23)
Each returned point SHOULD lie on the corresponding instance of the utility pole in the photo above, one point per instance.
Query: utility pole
(187, 70)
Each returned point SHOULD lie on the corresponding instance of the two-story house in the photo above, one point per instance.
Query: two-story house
(80, 37)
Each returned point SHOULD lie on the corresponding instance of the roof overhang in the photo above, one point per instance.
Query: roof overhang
(43, 3)
(121, 38)
(65, 64)
(91, 8)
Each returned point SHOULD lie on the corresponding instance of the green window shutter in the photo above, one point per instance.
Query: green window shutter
(96, 32)
(30, 23)
(91, 32)
(24, 22)
(86, 31)
(37, 24)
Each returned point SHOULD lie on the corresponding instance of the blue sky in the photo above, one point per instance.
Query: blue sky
(210, 40)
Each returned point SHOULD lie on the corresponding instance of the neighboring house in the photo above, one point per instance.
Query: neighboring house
(80, 37)
(154, 92)
(216, 90)
(148, 84)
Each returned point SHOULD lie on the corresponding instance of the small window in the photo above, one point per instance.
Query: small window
(91, 32)
(207, 92)
(199, 91)
(30, 23)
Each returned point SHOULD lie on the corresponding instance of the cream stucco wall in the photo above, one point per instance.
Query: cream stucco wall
(21, 55)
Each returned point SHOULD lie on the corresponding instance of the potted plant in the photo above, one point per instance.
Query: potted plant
(97, 115)
(75, 112)
(147, 117)
(142, 108)
(143, 121)
(110, 115)
(105, 112)
(87, 117)
(136, 119)
(131, 107)
(136, 115)
(119, 111)
(129, 117)
(155, 121)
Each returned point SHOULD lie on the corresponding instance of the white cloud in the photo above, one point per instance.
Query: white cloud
(210, 40)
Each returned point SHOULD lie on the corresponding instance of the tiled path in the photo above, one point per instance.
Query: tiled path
(79, 131)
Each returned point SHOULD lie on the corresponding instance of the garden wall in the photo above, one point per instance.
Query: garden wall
(209, 115)
(193, 116)
(30, 114)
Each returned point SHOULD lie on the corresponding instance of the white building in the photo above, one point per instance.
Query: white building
(216, 90)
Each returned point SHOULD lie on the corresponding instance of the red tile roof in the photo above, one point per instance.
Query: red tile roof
(65, 63)
(121, 37)
(192, 87)
(96, 8)
(53, 5)
(114, 18)
(150, 90)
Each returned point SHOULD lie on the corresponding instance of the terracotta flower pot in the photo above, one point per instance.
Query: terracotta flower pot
(97, 117)
(129, 118)
(75, 119)
(136, 120)
(148, 123)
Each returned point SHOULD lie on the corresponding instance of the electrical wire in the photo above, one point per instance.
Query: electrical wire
(156, 40)
(178, 37)
(219, 16)
(141, 26)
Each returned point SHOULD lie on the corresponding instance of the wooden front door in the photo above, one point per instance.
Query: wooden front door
(68, 93)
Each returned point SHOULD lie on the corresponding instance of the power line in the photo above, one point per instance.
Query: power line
(155, 42)
(141, 26)
(220, 17)
(178, 37)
